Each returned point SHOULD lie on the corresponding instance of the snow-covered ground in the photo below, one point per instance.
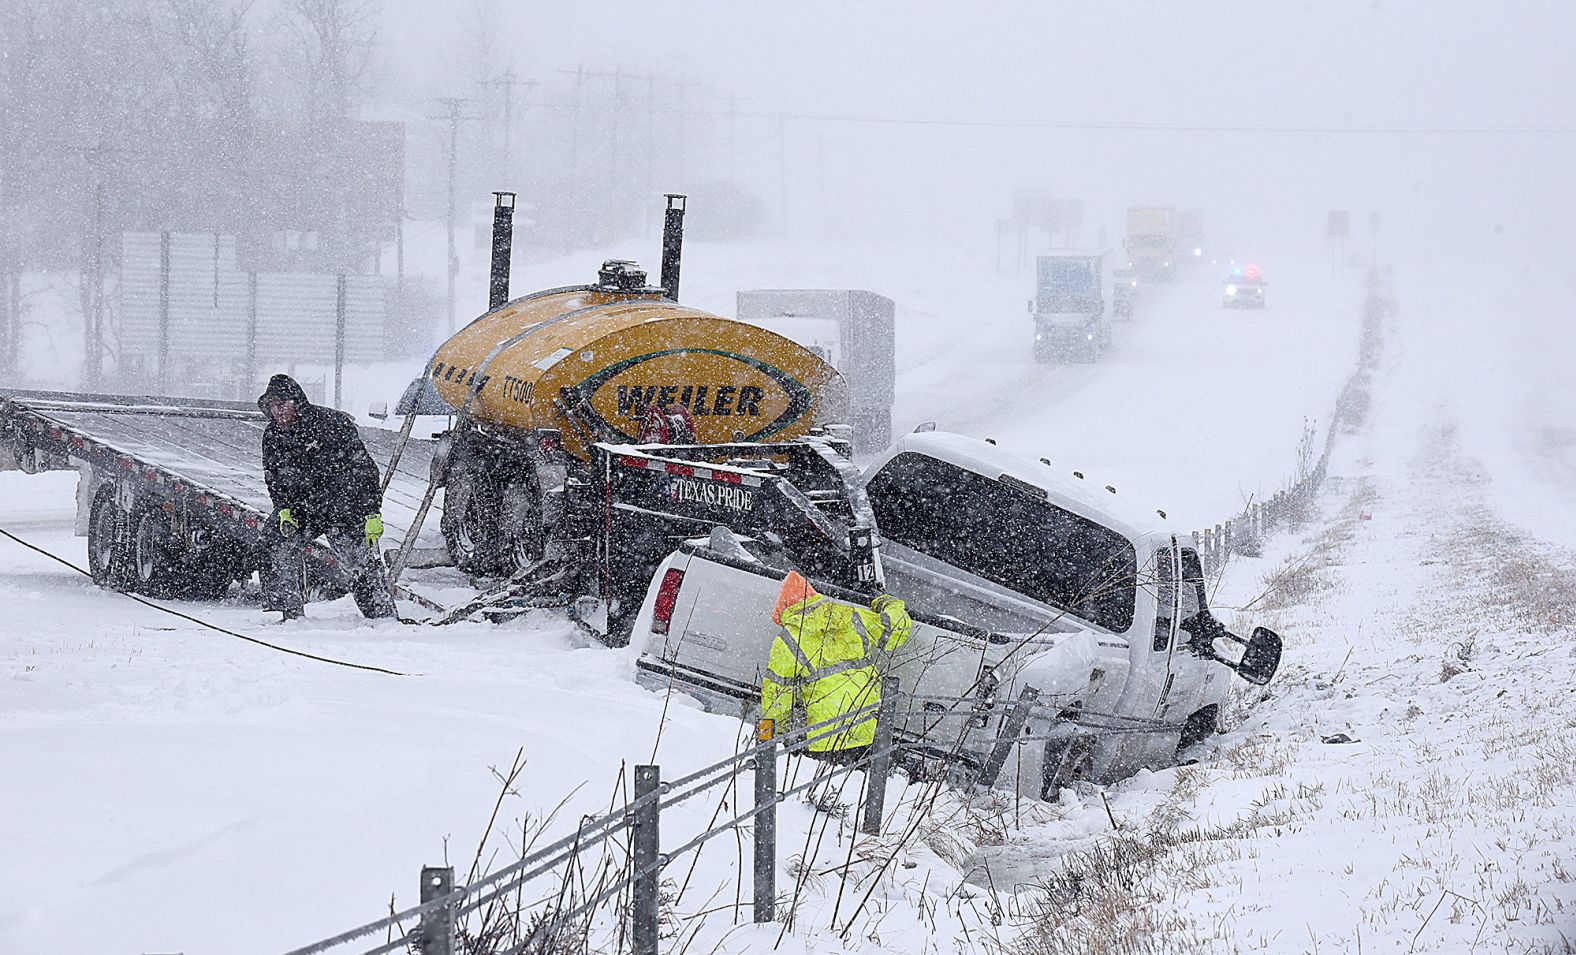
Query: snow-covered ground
(171, 789)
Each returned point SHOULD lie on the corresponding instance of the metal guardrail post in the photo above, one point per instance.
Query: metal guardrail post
(647, 841)
(1011, 727)
(881, 761)
(765, 875)
(435, 934)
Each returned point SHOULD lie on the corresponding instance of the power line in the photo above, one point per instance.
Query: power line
(1156, 127)
(1087, 126)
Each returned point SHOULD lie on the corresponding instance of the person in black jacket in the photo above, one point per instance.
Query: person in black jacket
(322, 482)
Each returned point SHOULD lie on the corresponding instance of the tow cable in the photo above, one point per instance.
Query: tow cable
(203, 623)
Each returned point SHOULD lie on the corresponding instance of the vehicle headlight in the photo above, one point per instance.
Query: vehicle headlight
(1231, 290)
(1089, 337)
(1198, 252)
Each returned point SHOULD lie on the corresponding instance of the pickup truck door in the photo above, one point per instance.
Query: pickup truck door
(1196, 682)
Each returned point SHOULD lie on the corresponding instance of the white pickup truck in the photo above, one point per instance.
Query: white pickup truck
(1017, 576)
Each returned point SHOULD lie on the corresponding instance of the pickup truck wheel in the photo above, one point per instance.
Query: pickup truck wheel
(156, 553)
(1066, 759)
(471, 521)
(1199, 727)
(108, 560)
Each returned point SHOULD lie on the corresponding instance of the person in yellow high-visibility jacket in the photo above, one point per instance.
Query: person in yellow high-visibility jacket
(825, 660)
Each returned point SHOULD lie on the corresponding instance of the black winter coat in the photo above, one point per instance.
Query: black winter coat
(318, 466)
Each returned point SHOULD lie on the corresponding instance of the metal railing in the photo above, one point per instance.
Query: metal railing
(1244, 532)
(436, 917)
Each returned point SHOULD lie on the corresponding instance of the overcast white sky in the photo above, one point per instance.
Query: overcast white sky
(1333, 63)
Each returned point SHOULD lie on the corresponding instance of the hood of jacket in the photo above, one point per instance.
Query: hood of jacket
(284, 388)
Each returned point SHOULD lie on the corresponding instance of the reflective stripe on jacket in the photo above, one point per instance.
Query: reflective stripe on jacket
(827, 659)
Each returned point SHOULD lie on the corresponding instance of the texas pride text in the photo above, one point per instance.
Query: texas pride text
(633, 400)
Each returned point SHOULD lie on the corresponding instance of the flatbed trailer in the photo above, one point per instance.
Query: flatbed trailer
(172, 497)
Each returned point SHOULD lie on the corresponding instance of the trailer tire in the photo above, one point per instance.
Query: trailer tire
(157, 565)
(471, 521)
(109, 562)
(212, 570)
(522, 529)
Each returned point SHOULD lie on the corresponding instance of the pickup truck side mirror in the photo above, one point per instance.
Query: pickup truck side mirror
(1261, 652)
(1261, 657)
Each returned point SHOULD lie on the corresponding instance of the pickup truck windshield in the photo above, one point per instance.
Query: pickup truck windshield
(1007, 536)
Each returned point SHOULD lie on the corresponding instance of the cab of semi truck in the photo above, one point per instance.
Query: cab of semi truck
(1069, 312)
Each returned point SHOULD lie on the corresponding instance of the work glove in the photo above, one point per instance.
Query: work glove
(884, 601)
(288, 525)
(374, 529)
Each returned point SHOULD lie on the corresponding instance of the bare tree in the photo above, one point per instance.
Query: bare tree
(332, 44)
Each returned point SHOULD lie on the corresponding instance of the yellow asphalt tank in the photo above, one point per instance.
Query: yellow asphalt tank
(589, 361)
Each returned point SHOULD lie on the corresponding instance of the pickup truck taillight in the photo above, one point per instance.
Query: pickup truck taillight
(667, 596)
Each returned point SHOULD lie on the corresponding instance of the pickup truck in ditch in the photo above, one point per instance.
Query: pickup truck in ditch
(1019, 577)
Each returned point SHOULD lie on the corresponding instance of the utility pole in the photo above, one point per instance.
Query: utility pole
(782, 175)
(683, 141)
(616, 146)
(454, 104)
(92, 296)
(618, 133)
(508, 83)
(579, 74)
(651, 145)
(733, 116)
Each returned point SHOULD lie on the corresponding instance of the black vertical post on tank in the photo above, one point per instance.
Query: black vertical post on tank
(672, 244)
(502, 244)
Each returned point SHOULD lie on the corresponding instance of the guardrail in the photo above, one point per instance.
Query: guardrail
(1244, 532)
(443, 904)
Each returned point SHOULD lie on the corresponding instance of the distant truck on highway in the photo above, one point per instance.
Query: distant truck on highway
(1019, 577)
(1070, 321)
(1190, 235)
(1152, 242)
(1124, 293)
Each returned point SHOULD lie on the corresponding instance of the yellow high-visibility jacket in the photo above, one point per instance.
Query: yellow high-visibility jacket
(825, 660)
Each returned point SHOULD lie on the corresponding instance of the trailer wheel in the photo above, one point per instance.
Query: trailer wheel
(212, 570)
(108, 559)
(523, 536)
(156, 553)
(470, 522)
